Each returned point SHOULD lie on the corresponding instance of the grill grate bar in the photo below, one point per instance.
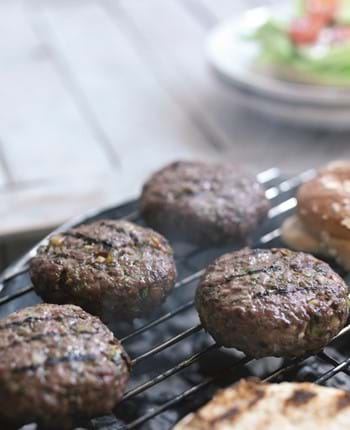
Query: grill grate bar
(190, 279)
(289, 184)
(330, 360)
(15, 295)
(328, 375)
(13, 275)
(327, 358)
(168, 343)
(285, 368)
(170, 372)
(268, 175)
(180, 397)
(157, 321)
(269, 237)
(345, 330)
(245, 360)
(283, 207)
(157, 411)
(297, 361)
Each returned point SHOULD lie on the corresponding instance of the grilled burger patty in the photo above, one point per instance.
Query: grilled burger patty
(272, 302)
(106, 267)
(58, 364)
(206, 203)
(251, 404)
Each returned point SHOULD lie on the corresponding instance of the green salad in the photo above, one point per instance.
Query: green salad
(312, 47)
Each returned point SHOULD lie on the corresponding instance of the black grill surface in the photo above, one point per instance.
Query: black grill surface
(177, 366)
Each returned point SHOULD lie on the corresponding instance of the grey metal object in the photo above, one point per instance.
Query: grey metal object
(173, 342)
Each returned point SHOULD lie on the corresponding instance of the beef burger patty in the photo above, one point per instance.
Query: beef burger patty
(202, 202)
(272, 302)
(109, 268)
(58, 364)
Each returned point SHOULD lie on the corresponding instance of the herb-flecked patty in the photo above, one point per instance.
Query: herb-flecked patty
(109, 268)
(272, 302)
(202, 202)
(58, 364)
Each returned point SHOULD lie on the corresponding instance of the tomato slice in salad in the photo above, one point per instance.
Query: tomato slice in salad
(324, 9)
(305, 30)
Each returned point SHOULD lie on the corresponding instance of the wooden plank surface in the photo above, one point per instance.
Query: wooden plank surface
(246, 137)
(41, 129)
(223, 9)
(118, 106)
(44, 205)
(175, 60)
(95, 94)
(185, 72)
(142, 120)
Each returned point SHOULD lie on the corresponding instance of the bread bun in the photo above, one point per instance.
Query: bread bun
(324, 201)
(296, 235)
(251, 404)
(322, 223)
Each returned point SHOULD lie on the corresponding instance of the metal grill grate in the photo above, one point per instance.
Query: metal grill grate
(18, 293)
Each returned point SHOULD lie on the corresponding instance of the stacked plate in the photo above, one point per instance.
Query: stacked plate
(233, 58)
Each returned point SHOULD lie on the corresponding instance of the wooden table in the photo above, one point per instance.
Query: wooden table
(94, 95)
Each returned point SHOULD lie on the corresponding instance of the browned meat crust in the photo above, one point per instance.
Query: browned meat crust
(205, 203)
(58, 364)
(272, 302)
(110, 268)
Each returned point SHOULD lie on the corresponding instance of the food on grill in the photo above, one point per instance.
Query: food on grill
(322, 223)
(110, 268)
(251, 404)
(272, 302)
(58, 364)
(205, 203)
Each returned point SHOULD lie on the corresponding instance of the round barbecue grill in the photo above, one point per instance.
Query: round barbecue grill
(177, 366)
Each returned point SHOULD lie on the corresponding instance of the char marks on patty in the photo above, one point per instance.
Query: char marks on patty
(204, 202)
(58, 364)
(114, 269)
(272, 302)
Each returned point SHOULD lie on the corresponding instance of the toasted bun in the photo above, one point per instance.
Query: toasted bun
(324, 202)
(297, 236)
(322, 224)
(251, 404)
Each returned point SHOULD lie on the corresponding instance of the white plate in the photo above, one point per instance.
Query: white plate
(334, 118)
(233, 58)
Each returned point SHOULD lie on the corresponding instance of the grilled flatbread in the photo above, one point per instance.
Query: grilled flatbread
(251, 404)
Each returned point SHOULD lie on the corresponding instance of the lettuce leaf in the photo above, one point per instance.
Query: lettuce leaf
(274, 42)
(323, 64)
(343, 13)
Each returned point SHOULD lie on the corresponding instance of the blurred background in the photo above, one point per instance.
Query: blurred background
(97, 94)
